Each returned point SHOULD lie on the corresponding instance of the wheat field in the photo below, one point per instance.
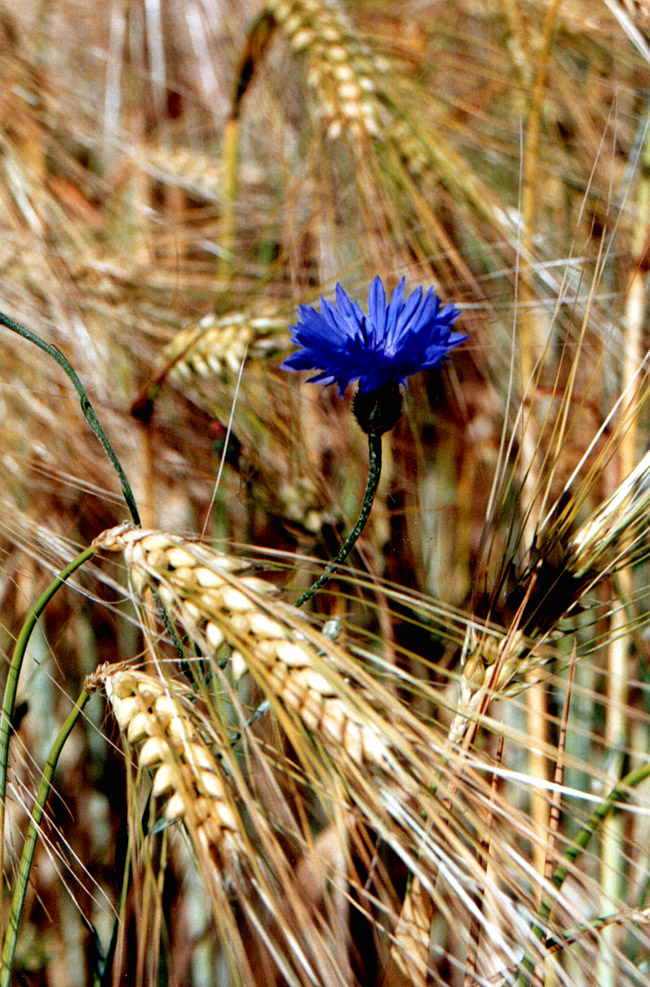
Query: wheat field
(436, 770)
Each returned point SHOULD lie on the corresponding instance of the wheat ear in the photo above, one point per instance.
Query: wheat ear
(565, 566)
(155, 717)
(341, 68)
(152, 718)
(218, 345)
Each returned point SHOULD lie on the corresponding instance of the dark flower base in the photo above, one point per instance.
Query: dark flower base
(377, 411)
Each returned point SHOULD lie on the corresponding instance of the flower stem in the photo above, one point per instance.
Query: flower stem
(86, 406)
(374, 473)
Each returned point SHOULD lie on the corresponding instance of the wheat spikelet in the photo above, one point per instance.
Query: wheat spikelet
(152, 718)
(345, 75)
(301, 504)
(616, 535)
(184, 167)
(341, 69)
(219, 345)
(564, 568)
(491, 665)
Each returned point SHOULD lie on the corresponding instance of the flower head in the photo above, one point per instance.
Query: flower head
(386, 346)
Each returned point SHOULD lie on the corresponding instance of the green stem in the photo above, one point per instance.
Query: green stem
(618, 794)
(572, 936)
(230, 170)
(86, 406)
(374, 473)
(26, 860)
(13, 675)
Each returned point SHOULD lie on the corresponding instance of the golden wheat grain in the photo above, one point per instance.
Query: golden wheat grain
(219, 345)
(341, 69)
(186, 775)
(184, 167)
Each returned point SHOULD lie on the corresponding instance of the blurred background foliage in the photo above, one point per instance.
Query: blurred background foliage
(175, 177)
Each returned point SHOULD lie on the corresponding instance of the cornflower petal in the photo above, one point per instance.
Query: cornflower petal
(350, 311)
(396, 312)
(377, 309)
(396, 339)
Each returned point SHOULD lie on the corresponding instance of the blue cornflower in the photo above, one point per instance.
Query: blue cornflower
(384, 347)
